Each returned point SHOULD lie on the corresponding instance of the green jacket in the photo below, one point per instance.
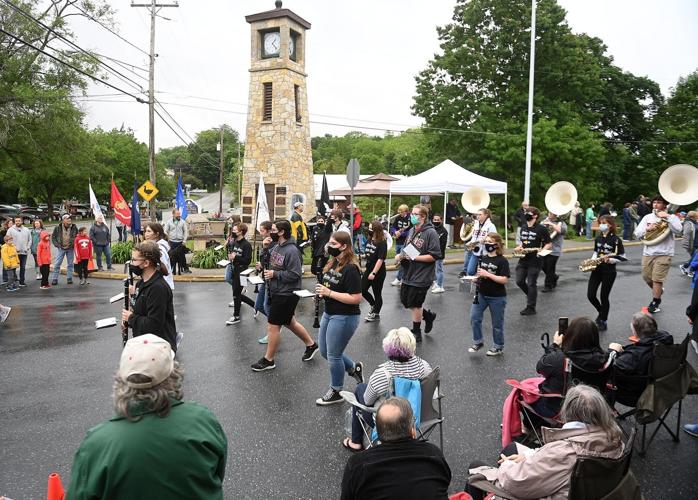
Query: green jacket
(180, 456)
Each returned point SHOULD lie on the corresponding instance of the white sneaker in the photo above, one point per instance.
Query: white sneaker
(231, 304)
(396, 282)
(438, 289)
(233, 320)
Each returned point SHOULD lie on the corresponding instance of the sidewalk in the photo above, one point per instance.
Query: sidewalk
(452, 257)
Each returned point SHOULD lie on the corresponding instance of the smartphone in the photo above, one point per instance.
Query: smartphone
(562, 324)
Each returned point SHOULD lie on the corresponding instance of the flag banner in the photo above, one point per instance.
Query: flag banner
(180, 201)
(135, 214)
(262, 206)
(119, 205)
(96, 209)
(324, 205)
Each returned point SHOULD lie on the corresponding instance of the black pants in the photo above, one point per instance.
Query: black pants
(238, 296)
(548, 267)
(376, 284)
(476, 493)
(82, 268)
(526, 279)
(45, 268)
(605, 280)
(317, 264)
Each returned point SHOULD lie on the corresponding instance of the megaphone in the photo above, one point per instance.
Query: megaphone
(474, 199)
(560, 198)
(678, 184)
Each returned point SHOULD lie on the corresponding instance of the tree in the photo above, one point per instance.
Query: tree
(205, 159)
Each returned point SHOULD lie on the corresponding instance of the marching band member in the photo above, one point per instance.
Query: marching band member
(240, 255)
(374, 275)
(399, 229)
(483, 226)
(552, 221)
(533, 235)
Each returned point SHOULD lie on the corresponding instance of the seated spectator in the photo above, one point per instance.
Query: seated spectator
(400, 346)
(581, 345)
(401, 467)
(157, 446)
(589, 430)
(632, 362)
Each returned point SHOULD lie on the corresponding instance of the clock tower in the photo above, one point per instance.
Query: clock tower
(278, 134)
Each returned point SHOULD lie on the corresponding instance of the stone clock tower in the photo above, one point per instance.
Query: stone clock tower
(278, 133)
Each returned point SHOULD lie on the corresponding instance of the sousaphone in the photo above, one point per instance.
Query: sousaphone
(678, 185)
(560, 199)
(473, 199)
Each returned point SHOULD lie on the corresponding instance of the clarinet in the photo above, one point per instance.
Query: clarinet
(127, 296)
(316, 323)
(476, 283)
(256, 286)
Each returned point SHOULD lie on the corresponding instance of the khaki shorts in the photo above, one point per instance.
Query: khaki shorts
(655, 268)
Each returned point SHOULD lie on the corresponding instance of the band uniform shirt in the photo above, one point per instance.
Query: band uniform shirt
(536, 236)
(499, 266)
(348, 280)
(605, 245)
(403, 225)
(480, 232)
(665, 247)
(375, 251)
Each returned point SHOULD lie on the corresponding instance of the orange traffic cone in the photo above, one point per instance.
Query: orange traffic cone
(645, 310)
(55, 487)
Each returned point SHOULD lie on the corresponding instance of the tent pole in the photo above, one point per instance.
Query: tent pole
(506, 218)
(390, 200)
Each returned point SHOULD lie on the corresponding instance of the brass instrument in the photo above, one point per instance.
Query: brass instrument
(466, 232)
(560, 200)
(526, 251)
(591, 264)
(660, 232)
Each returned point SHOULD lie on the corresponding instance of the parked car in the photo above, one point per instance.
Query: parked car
(11, 213)
(35, 211)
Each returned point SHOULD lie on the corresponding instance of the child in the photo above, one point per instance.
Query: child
(43, 258)
(10, 262)
(83, 254)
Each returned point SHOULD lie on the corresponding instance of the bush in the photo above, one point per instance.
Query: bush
(121, 252)
(208, 259)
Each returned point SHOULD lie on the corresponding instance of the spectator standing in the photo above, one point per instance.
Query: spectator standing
(358, 233)
(452, 214)
(605, 209)
(520, 217)
(589, 217)
(689, 238)
(36, 237)
(627, 222)
(3, 231)
(121, 229)
(101, 240)
(644, 206)
(576, 217)
(400, 228)
(10, 263)
(22, 239)
(299, 229)
(83, 254)
(63, 238)
(443, 238)
(177, 234)
(43, 255)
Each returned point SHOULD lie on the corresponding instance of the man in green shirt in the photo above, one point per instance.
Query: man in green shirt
(157, 446)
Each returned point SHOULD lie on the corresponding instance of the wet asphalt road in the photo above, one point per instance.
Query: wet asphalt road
(57, 376)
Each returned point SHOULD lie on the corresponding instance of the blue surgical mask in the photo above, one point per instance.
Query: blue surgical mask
(414, 219)
(603, 227)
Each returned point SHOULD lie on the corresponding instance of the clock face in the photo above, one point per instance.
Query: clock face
(272, 43)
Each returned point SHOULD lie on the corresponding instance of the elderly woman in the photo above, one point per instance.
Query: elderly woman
(589, 430)
(400, 346)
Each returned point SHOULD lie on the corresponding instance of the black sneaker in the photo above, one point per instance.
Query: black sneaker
(70, 282)
(475, 347)
(233, 320)
(495, 351)
(331, 397)
(417, 336)
(653, 308)
(461, 274)
(263, 364)
(528, 311)
(310, 352)
(358, 372)
(603, 325)
(429, 318)
(372, 317)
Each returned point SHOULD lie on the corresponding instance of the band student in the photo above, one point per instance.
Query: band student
(533, 236)
(656, 258)
(341, 289)
(605, 245)
(262, 300)
(554, 224)
(420, 271)
(399, 229)
(482, 226)
(374, 274)
(319, 236)
(284, 276)
(240, 255)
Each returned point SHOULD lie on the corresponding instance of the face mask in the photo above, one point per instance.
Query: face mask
(436, 224)
(135, 270)
(320, 224)
(414, 219)
(490, 247)
(274, 236)
(235, 234)
(370, 231)
(603, 227)
(529, 216)
(334, 252)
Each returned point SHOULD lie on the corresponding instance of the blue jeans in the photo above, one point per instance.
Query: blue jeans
(335, 332)
(497, 306)
(357, 434)
(262, 301)
(400, 270)
(22, 267)
(107, 252)
(470, 265)
(440, 272)
(627, 230)
(68, 254)
(589, 229)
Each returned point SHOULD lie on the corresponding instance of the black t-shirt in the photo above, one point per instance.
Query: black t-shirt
(348, 280)
(403, 225)
(499, 266)
(374, 252)
(536, 236)
(604, 245)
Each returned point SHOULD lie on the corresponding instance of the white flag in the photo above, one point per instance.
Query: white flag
(96, 209)
(262, 207)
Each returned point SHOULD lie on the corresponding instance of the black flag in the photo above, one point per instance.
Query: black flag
(324, 205)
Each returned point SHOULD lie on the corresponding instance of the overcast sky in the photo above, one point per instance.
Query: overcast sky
(362, 56)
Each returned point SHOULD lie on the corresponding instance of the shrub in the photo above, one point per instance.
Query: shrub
(121, 252)
(208, 259)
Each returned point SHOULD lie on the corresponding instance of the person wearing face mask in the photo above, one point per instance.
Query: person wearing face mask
(482, 226)
(177, 234)
(374, 275)
(151, 308)
(400, 228)
(605, 273)
(155, 232)
(552, 221)
(443, 239)
(337, 223)
(319, 236)
(341, 289)
(240, 255)
(420, 270)
(532, 235)
(493, 275)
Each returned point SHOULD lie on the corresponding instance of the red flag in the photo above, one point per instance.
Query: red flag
(121, 209)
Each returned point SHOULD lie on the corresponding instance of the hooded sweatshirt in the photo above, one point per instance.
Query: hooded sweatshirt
(426, 240)
(43, 249)
(285, 261)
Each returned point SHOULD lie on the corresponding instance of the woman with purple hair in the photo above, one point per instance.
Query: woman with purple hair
(400, 346)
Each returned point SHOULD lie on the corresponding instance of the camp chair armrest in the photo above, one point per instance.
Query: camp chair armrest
(350, 398)
(479, 481)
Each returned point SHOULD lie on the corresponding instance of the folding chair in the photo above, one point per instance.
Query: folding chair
(668, 383)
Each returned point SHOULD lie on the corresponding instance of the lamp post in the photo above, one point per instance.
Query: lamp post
(529, 128)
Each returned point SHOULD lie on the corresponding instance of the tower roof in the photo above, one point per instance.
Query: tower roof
(277, 13)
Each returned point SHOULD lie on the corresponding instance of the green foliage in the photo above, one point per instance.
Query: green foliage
(121, 251)
(208, 259)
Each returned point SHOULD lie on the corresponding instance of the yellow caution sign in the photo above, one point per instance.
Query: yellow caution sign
(148, 191)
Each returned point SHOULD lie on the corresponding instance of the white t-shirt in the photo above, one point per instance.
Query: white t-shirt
(666, 247)
(480, 233)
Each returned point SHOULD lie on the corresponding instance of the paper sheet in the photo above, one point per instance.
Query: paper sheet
(105, 323)
(255, 280)
(411, 251)
(219, 247)
(4, 313)
(116, 298)
(247, 272)
(304, 294)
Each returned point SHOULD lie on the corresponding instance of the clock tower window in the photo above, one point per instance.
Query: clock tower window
(266, 112)
(297, 99)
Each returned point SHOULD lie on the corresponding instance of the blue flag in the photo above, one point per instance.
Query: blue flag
(135, 213)
(180, 201)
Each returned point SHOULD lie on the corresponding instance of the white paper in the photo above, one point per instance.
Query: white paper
(411, 251)
(219, 247)
(223, 262)
(304, 294)
(243, 281)
(4, 313)
(105, 323)
(543, 253)
(247, 271)
(255, 280)
(116, 298)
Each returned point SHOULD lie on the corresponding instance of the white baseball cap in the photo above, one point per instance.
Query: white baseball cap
(147, 355)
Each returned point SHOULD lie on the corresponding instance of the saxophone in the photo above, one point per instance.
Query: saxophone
(591, 264)
(525, 251)
(659, 233)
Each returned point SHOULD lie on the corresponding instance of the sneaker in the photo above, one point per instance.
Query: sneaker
(44, 287)
(683, 269)
(54, 282)
(38, 278)
(310, 352)
(233, 320)
(528, 311)
(82, 282)
(331, 397)
(691, 429)
(263, 364)
(100, 269)
(546, 289)
(653, 307)
(495, 351)
(417, 337)
(438, 289)
(13, 289)
(110, 268)
(475, 347)
(462, 274)
(603, 325)
(256, 312)
(429, 318)
(263, 340)
(231, 304)
(70, 282)
(372, 317)
(186, 271)
(358, 372)
(396, 282)
(178, 339)
(22, 285)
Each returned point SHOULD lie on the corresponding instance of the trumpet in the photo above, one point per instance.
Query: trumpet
(526, 251)
(591, 264)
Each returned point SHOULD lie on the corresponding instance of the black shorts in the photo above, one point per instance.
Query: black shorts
(282, 308)
(413, 296)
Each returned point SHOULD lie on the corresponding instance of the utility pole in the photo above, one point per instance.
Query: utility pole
(240, 176)
(220, 181)
(529, 127)
(154, 9)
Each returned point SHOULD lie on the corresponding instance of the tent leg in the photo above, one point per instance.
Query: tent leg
(390, 199)
(506, 219)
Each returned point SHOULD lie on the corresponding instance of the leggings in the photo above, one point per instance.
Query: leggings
(82, 268)
(606, 281)
(375, 300)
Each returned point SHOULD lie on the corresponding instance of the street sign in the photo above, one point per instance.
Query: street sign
(148, 191)
(353, 171)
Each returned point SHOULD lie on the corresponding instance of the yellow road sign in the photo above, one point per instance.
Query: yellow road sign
(148, 191)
